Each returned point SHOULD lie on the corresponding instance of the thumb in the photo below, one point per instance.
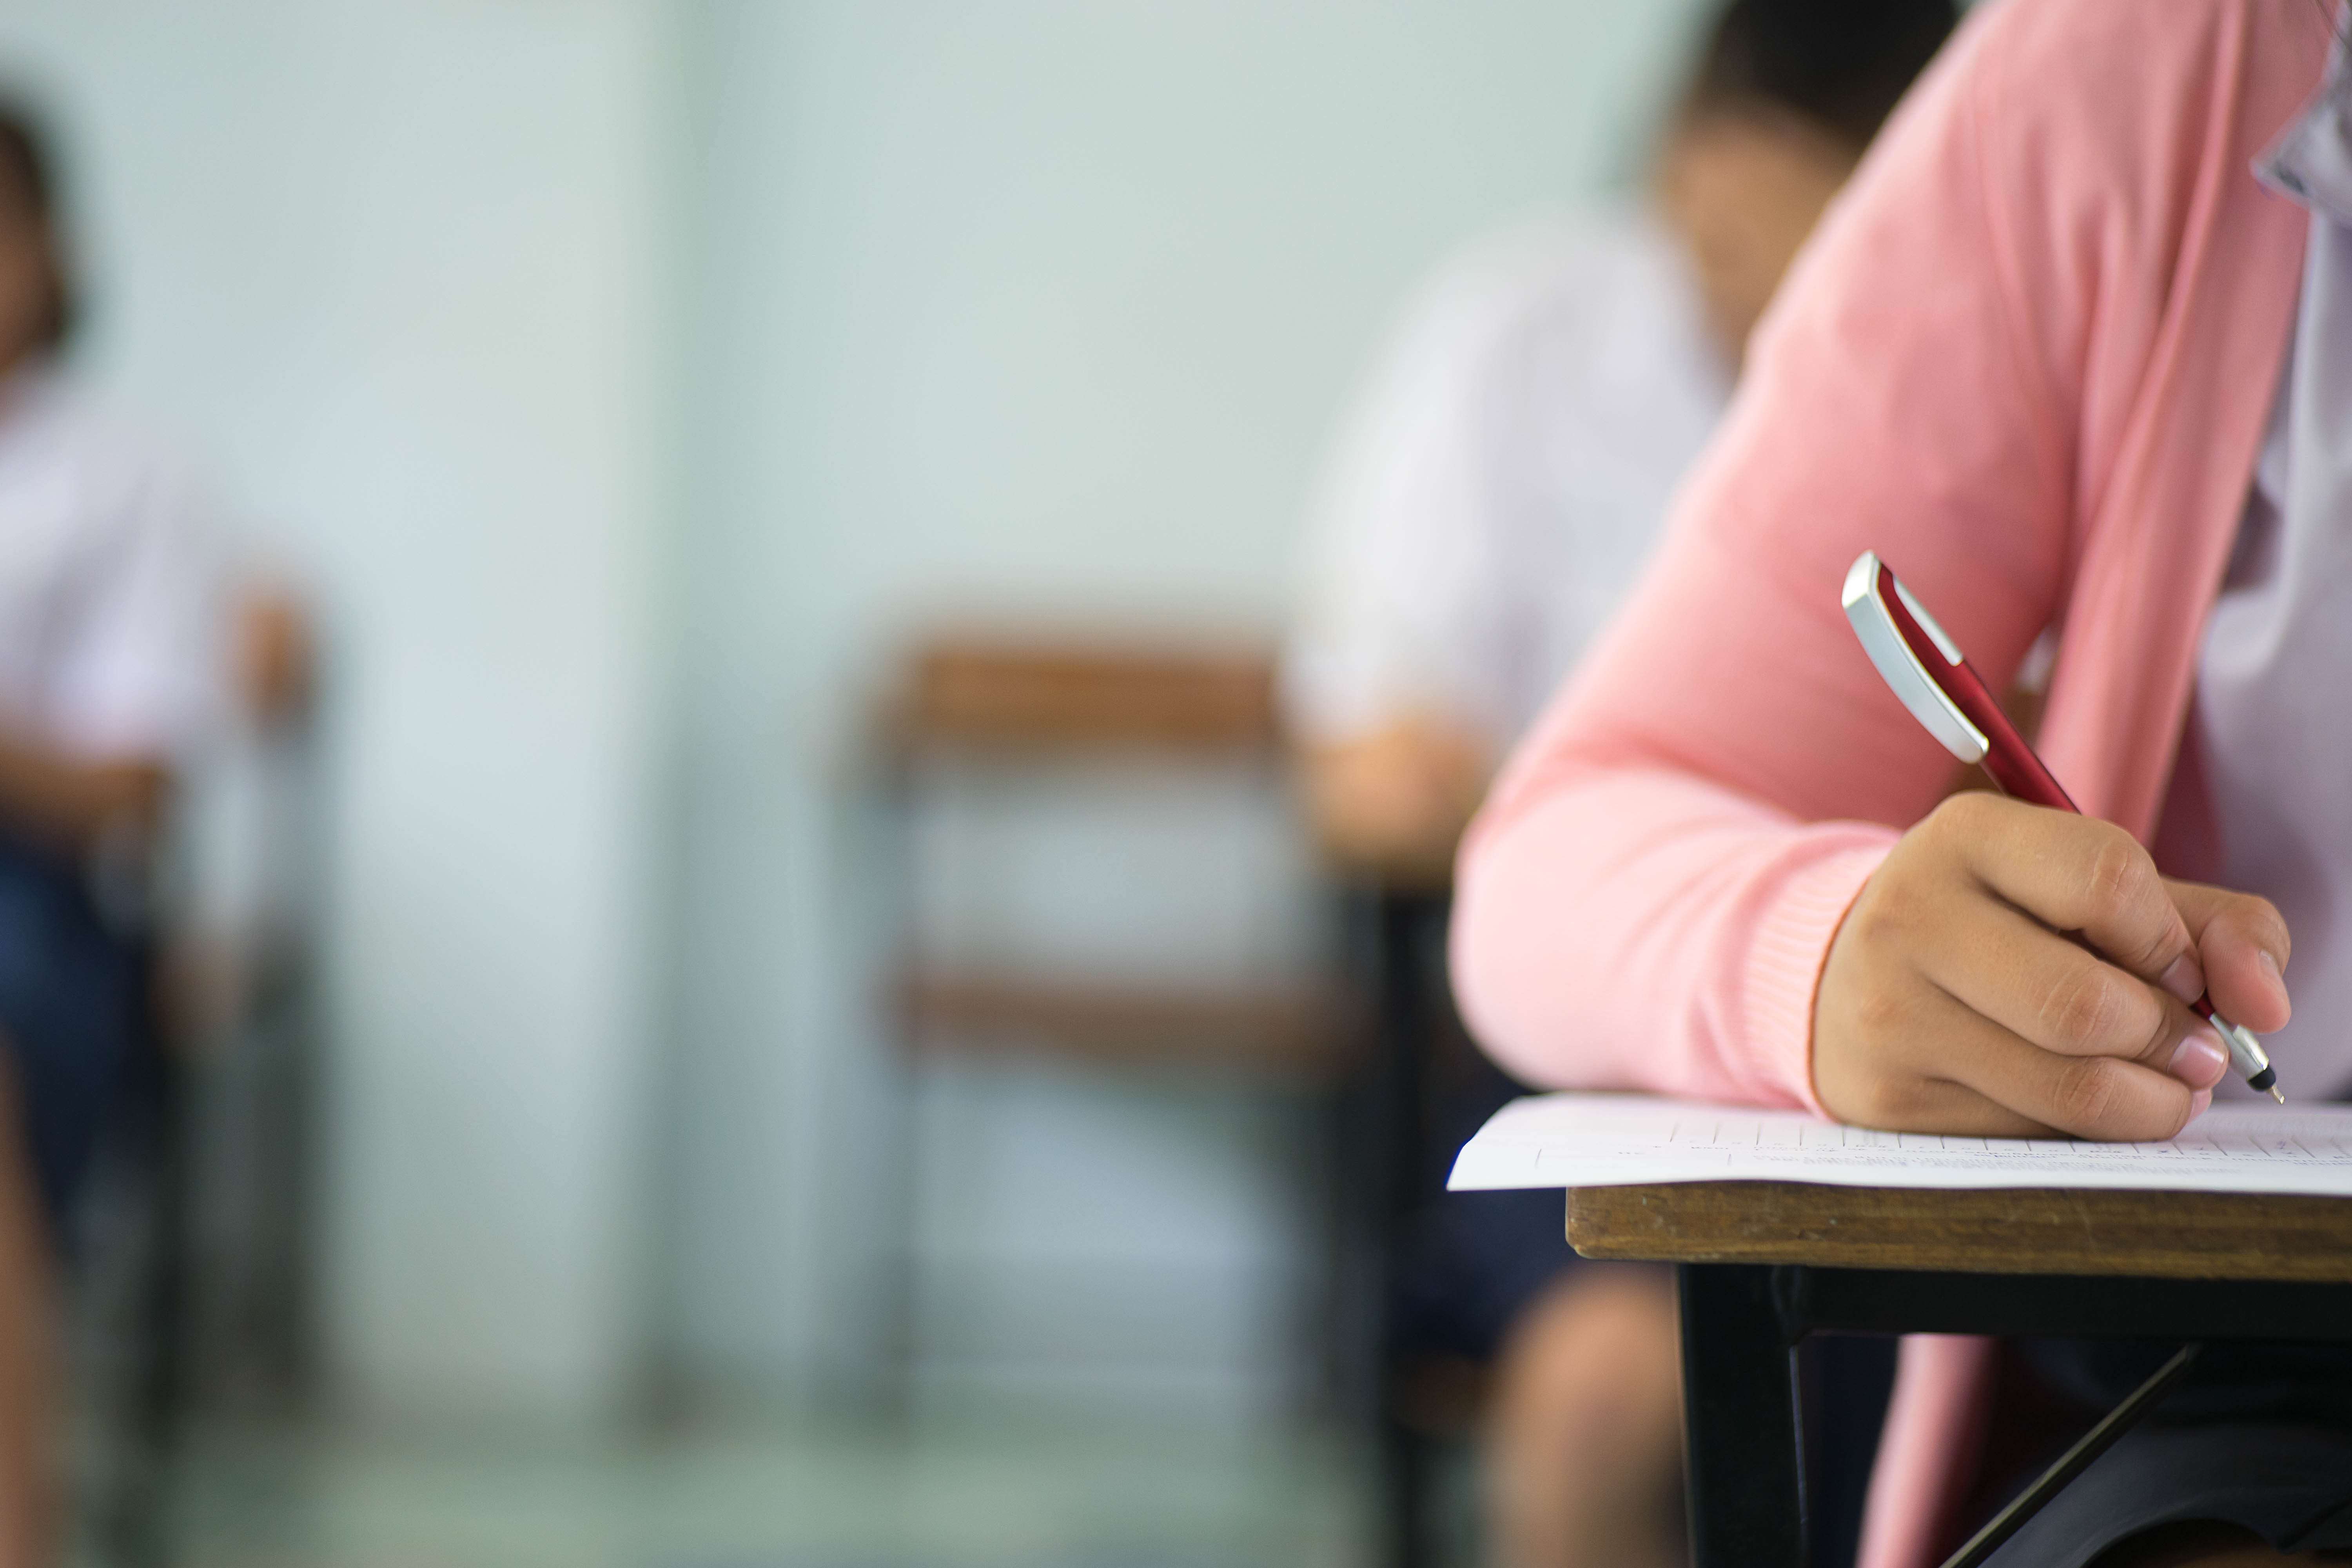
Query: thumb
(2243, 946)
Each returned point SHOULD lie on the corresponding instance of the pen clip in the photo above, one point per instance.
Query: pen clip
(1904, 666)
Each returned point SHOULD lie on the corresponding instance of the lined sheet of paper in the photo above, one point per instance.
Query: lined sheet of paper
(1618, 1139)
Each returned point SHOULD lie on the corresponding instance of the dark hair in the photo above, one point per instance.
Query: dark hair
(1840, 65)
(28, 176)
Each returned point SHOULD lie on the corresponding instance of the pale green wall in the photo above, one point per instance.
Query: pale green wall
(394, 274)
(1042, 307)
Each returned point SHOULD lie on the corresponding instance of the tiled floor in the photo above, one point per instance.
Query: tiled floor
(303, 1498)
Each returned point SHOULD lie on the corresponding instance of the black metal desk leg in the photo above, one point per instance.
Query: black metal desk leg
(1740, 1439)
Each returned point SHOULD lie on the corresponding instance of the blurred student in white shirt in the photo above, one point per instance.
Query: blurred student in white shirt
(107, 665)
(1495, 497)
(1501, 483)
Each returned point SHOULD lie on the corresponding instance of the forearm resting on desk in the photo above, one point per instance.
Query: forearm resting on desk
(1623, 928)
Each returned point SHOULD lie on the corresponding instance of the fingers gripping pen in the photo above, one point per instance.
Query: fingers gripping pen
(1944, 692)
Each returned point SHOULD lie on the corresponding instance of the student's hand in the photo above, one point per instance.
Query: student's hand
(2010, 969)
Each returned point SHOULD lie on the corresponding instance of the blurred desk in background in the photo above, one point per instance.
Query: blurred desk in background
(973, 720)
(1031, 700)
(1294, 1033)
(1035, 706)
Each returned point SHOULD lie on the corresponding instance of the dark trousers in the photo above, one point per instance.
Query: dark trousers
(74, 1008)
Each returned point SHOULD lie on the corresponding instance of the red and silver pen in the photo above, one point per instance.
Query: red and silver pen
(1927, 669)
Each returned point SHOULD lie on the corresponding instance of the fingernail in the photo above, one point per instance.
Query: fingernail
(2270, 967)
(2200, 1058)
(2200, 1103)
(2183, 979)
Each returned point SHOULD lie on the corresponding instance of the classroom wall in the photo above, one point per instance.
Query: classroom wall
(1006, 308)
(394, 270)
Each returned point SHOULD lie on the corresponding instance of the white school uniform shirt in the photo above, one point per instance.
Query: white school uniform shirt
(1504, 480)
(2270, 723)
(108, 640)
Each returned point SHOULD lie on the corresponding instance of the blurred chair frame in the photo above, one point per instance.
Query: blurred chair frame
(1033, 706)
(207, 1002)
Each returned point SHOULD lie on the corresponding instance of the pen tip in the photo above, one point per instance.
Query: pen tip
(2276, 1095)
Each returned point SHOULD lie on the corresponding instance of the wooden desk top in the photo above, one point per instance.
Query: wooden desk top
(2174, 1235)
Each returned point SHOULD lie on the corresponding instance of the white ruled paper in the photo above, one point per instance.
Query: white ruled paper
(1618, 1139)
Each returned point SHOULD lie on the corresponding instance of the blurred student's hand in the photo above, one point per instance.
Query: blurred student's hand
(2009, 970)
(1393, 804)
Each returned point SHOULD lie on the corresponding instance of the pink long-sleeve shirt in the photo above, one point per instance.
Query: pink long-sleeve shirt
(2028, 358)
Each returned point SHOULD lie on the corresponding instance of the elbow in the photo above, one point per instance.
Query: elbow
(1501, 982)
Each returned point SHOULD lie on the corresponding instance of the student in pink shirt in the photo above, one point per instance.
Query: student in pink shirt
(2064, 359)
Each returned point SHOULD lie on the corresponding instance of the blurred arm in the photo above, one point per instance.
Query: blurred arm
(1394, 803)
(60, 799)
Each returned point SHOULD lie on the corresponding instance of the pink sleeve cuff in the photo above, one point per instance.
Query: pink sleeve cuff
(1784, 963)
